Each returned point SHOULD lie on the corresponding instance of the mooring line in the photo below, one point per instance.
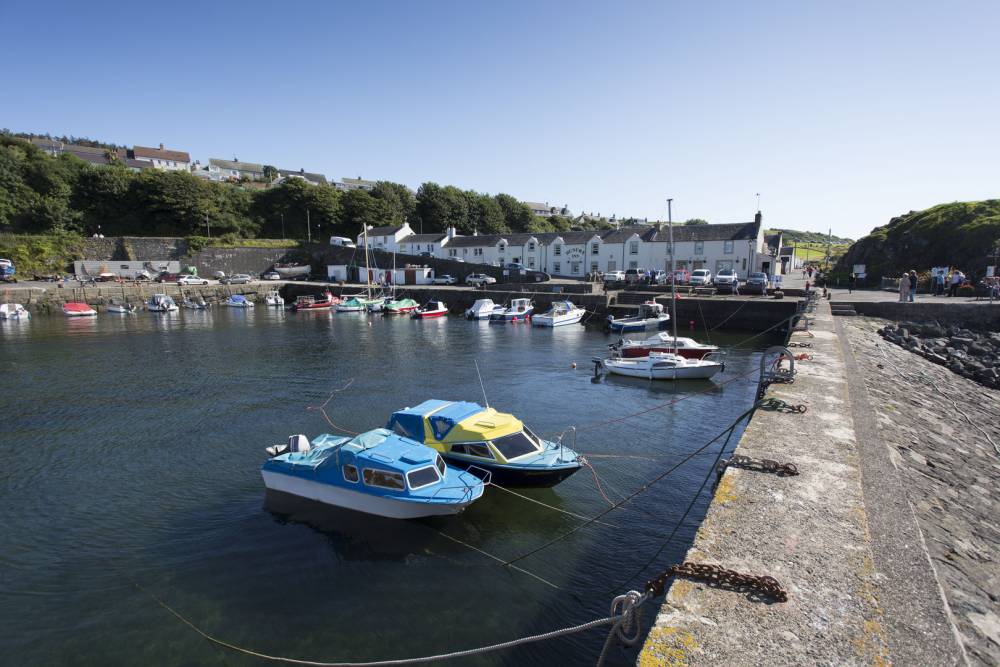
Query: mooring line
(551, 507)
(498, 559)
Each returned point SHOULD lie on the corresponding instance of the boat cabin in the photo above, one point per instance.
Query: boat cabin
(650, 309)
(519, 305)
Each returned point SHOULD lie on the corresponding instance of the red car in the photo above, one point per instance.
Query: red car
(167, 277)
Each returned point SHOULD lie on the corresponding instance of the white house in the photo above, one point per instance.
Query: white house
(162, 158)
(308, 177)
(386, 238)
(234, 169)
(345, 184)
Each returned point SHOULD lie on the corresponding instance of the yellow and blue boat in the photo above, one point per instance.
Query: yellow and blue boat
(482, 440)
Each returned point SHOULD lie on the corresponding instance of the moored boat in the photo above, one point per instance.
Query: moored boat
(120, 307)
(559, 314)
(663, 366)
(195, 304)
(78, 309)
(161, 303)
(519, 310)
(238, 301)
(649, 316)
(274, 298)
(354, 304)
(663, 342)
(482, 309)
(400, 306)
(13, 311)
(292, 271)
(432, 308)
(309, 302)
(483, 440)
(378, 472)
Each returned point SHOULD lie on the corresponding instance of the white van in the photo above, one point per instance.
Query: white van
(342, 241)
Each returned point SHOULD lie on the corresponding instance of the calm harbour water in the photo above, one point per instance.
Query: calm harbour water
(132, 446)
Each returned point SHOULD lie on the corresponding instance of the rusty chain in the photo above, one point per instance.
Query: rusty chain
(762, 465)
(778, 405)
(799, 344)
(720, 577)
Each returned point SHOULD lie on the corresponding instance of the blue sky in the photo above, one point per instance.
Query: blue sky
(841, 114)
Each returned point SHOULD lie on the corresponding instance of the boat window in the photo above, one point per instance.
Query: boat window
(531, 435)
(514, 445)
(440, 465)
(473, 449)
(422, 477)
(385, 479)
(399, 429)
(351, 473)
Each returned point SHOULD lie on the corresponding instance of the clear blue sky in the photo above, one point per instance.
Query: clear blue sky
(841, 114)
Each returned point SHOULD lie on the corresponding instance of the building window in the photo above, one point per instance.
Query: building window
(350, 473)
(727, 247)
(531, 262)
(452, 252)
(501, 248)
(593, 267)
(430, 246)
(633, 248)
(699, 247)
(383, 478)
(477, 251)
(744, 263)
(531, 247)
(557, 250)
(633, 265)
(612, 266)
(555, 267)
(574, 268)
(595, 248)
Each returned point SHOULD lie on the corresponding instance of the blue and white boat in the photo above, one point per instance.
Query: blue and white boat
(378, 472)
(482, 440)
(650, 316)
(519, 310)
(238, 301)
(561, 313)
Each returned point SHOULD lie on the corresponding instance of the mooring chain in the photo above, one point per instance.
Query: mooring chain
(799, 344)
(719, 576)
(778, 405)
(762, 465)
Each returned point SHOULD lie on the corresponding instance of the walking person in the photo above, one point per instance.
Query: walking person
(904, 287)
(913, 285)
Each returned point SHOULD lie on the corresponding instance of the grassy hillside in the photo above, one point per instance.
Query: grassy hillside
(795, 236)
(815, 252)
(42, 255)
(959, 234)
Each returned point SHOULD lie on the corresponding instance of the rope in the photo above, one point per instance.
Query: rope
(551, 507)
(322, 409)
(641, 489)
(731, 315)
(626, 621)
(498, 559)
(597, 482)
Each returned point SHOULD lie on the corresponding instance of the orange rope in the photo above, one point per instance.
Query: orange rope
(322, 409)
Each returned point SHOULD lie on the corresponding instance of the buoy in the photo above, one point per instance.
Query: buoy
(691, 324)
(573, 365)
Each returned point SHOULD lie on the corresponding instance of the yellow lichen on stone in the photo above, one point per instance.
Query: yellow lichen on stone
(667, 647)
(724, 492)
(680, 588)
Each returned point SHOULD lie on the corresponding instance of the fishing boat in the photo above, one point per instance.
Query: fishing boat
(309, 302)
(354, 304)
(663, 366)
(194, 304)
(482, 309)
(519, 310)
(161, 303)
(273, 298)
(482, 440)
(377, 472)
(401, 306)
(649, 316)
(430, 309)
(379, 304)
(78, 309)
(663, 342)
(559, 314)
(13, 311)
(292, 271)
(120, 307)
(238, 301)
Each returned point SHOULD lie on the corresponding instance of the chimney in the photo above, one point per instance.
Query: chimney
(451, 232)
(758, 218)
(161, 146)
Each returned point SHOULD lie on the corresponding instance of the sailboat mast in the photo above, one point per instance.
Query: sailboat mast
(673, 275)
(368, 273)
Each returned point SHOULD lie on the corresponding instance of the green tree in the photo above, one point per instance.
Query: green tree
(441, 207)
(485, 214)
(696, 221)
(517, 216)
(400, 201)
(270, 173)
(358, 208)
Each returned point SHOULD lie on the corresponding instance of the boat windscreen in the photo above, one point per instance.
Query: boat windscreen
(422, 477)
(514, 445)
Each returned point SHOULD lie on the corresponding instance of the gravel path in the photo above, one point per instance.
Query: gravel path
(951, 473)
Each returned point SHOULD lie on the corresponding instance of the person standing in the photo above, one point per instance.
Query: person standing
(956, 280)
(851, 282)
(913, 285)
(904, 287)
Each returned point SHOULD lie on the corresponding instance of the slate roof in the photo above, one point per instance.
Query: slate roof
(252, 167)
(160, 154)
(738, 231)
(315, 178)
(359, 182)
(384, 231)
(421, 238)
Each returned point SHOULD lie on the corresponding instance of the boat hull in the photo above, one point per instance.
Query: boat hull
(512, 475)
(557, 321)
(359, 502)
(686, 352)
(90, 312)
(292, 271)
(428, 315)
(628, 324)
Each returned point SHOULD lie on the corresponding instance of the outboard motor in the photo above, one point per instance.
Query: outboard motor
(296, 443)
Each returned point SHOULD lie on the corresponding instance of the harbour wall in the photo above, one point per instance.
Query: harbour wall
(973, 315)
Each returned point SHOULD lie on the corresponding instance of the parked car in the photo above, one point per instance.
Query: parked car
(726, 277)
(701, 277)
(191, 280)
(341, 241)
(166, 277)
(635, 275)
(478, 279)
(515, 266)
(426, 253)
(444, 279)
(271, 275)
(757, 282)
(614, 276)
(237, 279)
(659, 278)
(142, 276)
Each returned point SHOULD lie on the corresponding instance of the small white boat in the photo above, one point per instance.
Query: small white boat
(649, 316)
(195, 304)
(13, 311)
(77, 309)
(120, 307)
(482, 309)
(560, 313)
(664, 342)
(161, 303)
(238, 301)
(292, 271)
(273, 298)
(663, 366)
(432, 308)
(520, 310)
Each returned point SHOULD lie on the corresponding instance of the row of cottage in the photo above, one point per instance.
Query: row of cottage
(741, 246)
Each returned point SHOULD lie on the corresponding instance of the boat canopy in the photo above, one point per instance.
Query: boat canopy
(380, 447)
(447, 421)
(237, 298)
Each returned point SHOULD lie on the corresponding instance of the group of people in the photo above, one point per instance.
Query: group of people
(908, 286)
(940, 283)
